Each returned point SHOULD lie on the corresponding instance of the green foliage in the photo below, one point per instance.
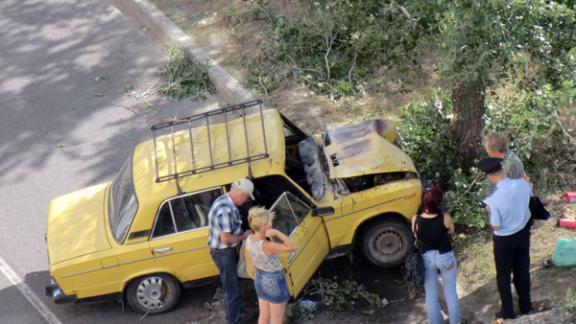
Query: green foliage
(538, 137)
(464, 199)
(341, 44)
(428, 139)
(529, 118)
(344, 295)
(185, 78)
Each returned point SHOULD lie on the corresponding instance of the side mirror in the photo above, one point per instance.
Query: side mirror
(323, 211)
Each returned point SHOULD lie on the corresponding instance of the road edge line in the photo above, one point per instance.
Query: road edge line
(32, 298)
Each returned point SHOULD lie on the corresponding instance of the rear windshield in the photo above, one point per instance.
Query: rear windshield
(123, 204)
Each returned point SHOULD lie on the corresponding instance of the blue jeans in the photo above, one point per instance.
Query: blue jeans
(227, 262)
(445, 264)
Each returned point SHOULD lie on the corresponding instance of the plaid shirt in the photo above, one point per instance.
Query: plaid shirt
(223, 217)
(512, 166)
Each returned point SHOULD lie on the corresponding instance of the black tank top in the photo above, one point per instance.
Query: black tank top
(433, 234)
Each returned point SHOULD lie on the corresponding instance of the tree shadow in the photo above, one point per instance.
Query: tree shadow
(66, 68)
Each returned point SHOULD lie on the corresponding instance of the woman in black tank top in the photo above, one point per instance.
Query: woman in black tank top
(432, 230)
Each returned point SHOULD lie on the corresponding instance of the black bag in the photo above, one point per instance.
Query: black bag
(537, 209)
(414, 264)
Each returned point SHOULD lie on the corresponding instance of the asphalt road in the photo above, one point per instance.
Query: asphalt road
(68, 119)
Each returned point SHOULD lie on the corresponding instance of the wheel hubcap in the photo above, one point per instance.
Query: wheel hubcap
(150, 293)
(388, 243)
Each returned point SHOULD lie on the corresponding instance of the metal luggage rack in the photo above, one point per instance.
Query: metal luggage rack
(194, 122)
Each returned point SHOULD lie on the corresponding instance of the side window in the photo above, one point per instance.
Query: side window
(165, 223)
(185, 213)
(289, 212)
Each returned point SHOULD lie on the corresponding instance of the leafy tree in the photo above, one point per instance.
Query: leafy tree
(487, 40)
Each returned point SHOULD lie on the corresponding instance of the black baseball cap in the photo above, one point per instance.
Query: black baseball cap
(490, 165)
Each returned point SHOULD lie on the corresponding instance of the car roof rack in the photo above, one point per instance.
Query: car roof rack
(204, 122)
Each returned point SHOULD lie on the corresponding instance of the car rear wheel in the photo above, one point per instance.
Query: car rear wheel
(387, 243)
(153, 294)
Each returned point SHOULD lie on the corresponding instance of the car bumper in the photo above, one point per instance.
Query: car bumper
(54, 291)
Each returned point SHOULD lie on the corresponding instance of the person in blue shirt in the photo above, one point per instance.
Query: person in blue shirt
(224, 236)
(509, 211)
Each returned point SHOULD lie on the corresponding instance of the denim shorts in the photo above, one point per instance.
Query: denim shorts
(271, 286)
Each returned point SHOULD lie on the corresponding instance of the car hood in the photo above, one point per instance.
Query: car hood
(77, 224)
(364, 148)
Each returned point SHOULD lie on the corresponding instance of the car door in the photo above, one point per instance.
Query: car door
(179, 239)
(294, 218)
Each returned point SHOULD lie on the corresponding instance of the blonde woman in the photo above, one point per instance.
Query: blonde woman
(269, 279)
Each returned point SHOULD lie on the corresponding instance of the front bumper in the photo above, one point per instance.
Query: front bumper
(54, 291)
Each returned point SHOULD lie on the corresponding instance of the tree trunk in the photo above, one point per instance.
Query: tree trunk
(468, 123)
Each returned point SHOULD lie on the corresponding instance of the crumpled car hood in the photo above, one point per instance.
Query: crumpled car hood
(364, 148)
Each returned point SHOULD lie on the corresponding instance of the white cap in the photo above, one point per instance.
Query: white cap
(244, 185)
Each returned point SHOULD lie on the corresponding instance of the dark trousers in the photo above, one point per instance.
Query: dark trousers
(512, 256)
(227, 262)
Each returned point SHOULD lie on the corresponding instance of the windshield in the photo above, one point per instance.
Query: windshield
(123, 203)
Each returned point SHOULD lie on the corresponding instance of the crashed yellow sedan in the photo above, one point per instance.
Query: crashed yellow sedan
(143, 236)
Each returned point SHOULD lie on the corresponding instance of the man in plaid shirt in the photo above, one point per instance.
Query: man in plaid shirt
(224, 236)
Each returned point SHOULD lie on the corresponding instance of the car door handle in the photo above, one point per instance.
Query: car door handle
(162, 250)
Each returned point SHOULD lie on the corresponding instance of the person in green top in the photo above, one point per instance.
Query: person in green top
(498, 146)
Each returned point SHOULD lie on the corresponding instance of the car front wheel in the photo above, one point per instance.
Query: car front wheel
(387, 243)
(153, 294)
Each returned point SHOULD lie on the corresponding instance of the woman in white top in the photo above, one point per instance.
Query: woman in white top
(269, 279)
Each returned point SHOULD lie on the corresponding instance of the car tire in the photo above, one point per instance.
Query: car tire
(153, 294)
(387, 243)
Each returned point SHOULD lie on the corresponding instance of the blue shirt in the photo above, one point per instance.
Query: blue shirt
(224, 217)
(509, 206)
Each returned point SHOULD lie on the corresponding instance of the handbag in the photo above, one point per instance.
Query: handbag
(414, 263)
(537, 209)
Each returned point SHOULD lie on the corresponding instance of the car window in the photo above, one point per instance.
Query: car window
(185, 212)
(165, 223)
(289, 212)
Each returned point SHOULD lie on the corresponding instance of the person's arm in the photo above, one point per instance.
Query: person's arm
(494, 217)
(229, 238)
(270, 247)
(449, 223)
(225, 228)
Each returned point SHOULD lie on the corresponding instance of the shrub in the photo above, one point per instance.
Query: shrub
(529, 118)
(185, 78)
(428, 139)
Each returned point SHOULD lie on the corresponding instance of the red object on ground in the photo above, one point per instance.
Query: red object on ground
(567, 222)
(569, 197)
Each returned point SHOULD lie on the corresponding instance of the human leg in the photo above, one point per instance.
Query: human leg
(277, 312)
(503, 261)
(449, 270)
(264, 308)
(227, 262)
(431, 287)
(521, 272)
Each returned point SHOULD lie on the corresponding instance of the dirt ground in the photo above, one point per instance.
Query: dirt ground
(219, 26)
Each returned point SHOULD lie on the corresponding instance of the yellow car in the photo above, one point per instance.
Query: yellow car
(143, 236)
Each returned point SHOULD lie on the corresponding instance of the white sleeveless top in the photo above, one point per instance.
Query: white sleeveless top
(262, 261)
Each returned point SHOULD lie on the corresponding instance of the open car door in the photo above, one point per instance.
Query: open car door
(294, 218)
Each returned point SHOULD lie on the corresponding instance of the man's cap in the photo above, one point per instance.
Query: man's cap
(490, 165)
(244, 185)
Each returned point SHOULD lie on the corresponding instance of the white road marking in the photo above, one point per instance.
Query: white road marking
(28, 293)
